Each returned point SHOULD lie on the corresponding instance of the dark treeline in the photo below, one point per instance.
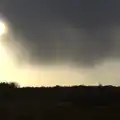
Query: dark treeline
(61, 103)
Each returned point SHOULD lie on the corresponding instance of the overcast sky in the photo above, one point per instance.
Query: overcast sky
(80, 34)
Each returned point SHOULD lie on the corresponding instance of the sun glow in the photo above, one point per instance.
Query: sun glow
(5, 59)
(3, 28)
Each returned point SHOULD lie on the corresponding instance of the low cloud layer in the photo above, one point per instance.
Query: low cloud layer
(80, 31)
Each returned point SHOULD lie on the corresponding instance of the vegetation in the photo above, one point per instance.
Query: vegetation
(59, 103)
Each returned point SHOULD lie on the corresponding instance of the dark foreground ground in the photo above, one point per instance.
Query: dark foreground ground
(60, 103)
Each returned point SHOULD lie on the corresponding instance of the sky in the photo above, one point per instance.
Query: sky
(61, 42)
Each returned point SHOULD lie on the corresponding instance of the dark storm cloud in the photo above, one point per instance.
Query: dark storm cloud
(75, 30)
